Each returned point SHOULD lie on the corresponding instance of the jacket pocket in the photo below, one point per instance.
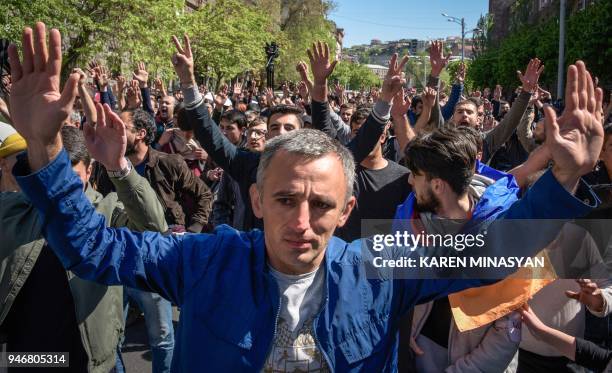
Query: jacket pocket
(364, 338)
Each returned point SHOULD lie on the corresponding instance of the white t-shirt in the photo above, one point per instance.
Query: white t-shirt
(294, 348)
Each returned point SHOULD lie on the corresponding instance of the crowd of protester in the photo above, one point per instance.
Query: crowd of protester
(193, 161)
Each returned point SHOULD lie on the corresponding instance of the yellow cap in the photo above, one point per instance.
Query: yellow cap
(12, 144)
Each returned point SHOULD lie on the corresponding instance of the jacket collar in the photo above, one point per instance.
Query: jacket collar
(152, 157)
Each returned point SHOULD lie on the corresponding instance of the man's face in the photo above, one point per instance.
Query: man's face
(83, 172)
(505, 108)
(356, 125)
(426, 200)
(481, 115)
(166, 108)
(466, 115)
(282, 123)
(256, 137)
(345, 114)
(231, 131)
(301, 203)
(134, 136)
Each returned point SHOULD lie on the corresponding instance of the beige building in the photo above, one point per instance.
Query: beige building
(379, 70)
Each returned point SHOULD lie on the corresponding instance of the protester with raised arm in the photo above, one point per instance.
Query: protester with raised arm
(293, 292)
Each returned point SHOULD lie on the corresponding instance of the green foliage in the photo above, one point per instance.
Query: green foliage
(452, 71)
(354, 76)
(588, 37)
(120, 32)
(306, 24)
(229, 38)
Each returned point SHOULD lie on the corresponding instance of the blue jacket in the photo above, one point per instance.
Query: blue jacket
(496, 199)
(229, 301)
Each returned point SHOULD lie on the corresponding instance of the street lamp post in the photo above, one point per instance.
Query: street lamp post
(460, 21)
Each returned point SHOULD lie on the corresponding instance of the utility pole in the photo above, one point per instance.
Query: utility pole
(561, 66)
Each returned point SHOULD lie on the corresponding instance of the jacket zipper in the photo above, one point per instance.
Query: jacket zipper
(315, 324)
(280, 303)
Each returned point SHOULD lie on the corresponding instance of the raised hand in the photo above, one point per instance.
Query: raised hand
(319, 62)
(121, 84)
(429, 97)
(303, 90)
(497, 93)
(99, 73)
(107, 139)
(590, 295)
(221, 97)
(182, 61)
(460, 75)
(436, 58)
(38, 109)
(89, 107)
(269, 96)
(302, 69)
(532, 75)
(237, 89)
(159, 86)
(576, 137)
(401, 104)
(394, 79)
(141, 75)
(133, 96)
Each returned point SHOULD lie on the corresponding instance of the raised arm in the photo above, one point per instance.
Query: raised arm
(370, 132)
(455, 95)
(429, 99)
(141, 75)
(225, 154)
(403, 129)
(322, 68)
(72, 228)
(502, 132)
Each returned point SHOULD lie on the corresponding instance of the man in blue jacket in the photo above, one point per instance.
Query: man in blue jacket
(291, 297)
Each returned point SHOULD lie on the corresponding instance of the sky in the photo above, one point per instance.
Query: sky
(387, 20)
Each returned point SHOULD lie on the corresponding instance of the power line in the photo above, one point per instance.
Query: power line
(395, 26)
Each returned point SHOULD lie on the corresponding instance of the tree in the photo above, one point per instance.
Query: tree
(587, 39)
(229, 38)
(120, 32)
(302, 23)
(354, 76)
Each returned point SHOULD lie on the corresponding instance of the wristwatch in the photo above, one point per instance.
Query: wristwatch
(120, 174)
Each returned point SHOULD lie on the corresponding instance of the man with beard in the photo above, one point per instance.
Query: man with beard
(186, 199)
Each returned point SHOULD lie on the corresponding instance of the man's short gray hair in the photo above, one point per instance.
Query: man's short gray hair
(308, 144)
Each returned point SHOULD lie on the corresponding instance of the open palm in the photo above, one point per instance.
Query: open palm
(38, 109)
(106, 141)
(320, 63)
(576, 137)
